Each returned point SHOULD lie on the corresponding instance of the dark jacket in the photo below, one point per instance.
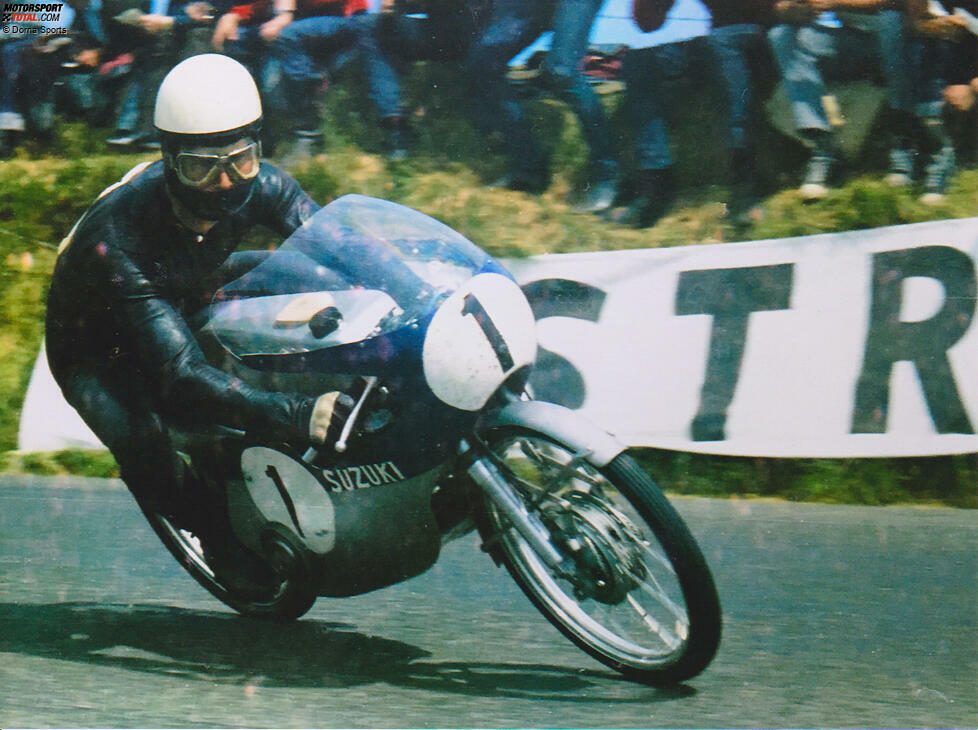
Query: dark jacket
(128, 276)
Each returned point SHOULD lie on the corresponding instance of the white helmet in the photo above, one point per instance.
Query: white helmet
(207, 101)
(207, 94)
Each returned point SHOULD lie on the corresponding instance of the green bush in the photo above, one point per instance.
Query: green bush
(945, 479)
(87, 463)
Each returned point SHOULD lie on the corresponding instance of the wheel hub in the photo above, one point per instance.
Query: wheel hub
(608, 564)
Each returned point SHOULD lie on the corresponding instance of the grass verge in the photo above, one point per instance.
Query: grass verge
(44, 191)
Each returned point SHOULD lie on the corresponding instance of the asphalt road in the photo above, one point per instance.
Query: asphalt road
(834, 616)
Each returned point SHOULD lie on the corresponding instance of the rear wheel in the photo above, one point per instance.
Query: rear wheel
(269, 589)
(637, 595)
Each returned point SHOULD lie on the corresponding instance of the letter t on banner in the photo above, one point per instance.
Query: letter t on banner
(730, 295)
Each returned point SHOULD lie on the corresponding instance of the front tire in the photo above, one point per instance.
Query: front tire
(640, 597)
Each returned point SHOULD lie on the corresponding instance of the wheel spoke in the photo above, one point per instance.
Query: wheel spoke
(565, 471)
(668, 638)
(520, 481)
(621, 619)
(536, 494)
(656, 592)
(657, 557)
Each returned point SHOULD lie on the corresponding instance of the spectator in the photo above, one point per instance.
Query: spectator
(83, 59)
(561, 73)
(950, 37)
(512, 26)
(14, 51)
(29, 64)
(428, 30)
(324, 31)
(89, 82)
(846, 36)
(157, 35)
(246, 33)
(736, 29)
(431, 30)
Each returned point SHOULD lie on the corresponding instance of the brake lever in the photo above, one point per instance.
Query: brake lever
(341, 442)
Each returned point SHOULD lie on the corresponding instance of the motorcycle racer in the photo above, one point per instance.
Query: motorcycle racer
(134, 266)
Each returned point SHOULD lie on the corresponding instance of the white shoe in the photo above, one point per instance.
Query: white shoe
(815, 185)
(901, 167)
(939, 172)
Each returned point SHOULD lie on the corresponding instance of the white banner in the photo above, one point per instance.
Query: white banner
(47, 422)
(852, 344)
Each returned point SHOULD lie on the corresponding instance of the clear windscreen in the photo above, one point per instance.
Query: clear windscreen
(357, 269)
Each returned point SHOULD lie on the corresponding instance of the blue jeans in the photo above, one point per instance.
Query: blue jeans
(728, 46)
(572, 22)
(719, 57)
(303, 46)
(128, 118)
(512, 26)
(11, 69)
(252, 51)
(803, 53)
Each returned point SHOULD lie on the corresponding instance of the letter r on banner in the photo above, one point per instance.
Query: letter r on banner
(730, 295)
(925, 343)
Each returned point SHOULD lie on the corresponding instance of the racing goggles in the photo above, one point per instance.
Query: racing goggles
(200, 170)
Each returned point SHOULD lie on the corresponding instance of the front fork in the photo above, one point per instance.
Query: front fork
(497, 489)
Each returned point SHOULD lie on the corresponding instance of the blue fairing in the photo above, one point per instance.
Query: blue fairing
(386, 268)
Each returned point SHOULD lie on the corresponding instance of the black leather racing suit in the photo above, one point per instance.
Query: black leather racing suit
(117, 341)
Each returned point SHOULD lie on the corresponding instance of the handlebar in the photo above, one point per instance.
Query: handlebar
(340, 446)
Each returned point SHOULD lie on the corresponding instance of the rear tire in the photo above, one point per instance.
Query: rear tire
(287, 601)
(632, 555)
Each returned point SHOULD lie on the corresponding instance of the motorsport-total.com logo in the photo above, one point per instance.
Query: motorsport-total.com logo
(26, 19)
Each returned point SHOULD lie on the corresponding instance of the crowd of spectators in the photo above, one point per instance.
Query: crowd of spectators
(924, 53)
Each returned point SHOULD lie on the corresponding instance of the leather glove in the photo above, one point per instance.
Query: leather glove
(329, 414)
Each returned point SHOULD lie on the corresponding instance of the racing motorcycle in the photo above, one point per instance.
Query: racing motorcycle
(436, 342)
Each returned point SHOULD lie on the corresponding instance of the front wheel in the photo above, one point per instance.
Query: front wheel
(634, 591)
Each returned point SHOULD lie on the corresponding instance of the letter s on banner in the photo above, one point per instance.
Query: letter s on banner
(554, 378)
